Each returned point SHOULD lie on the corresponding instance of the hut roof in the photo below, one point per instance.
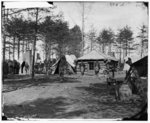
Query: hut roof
(94, 55)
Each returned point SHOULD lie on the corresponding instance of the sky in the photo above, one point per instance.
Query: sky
(102, 15)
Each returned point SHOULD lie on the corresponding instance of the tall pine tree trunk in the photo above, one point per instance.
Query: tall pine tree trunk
(110, 48)
(46, 56)
(26, 45)
(120, 53)
(141, 48)
(129, 50)
(9, 51)
(18, 48)
(50, 50)
(34, 43)
(123, 54)
(23, 46)
(4, 21)
(91, 45)
(126, 53)
(13, 48)
(103, 48)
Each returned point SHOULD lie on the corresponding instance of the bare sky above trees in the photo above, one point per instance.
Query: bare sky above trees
(104, 15)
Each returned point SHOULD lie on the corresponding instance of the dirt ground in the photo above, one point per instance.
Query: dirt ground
(81, 97)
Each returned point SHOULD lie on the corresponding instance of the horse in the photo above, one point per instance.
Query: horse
(26, 67)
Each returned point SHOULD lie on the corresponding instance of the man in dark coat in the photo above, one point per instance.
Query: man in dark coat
(110, 67)
(22, 66)
(97, 67)
(82, 68)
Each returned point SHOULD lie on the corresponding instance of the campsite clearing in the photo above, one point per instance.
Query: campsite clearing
(76, 97)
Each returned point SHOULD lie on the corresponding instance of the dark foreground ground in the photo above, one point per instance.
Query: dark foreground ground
(78, 97)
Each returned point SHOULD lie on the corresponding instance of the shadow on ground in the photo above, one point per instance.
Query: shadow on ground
(16, 76)
(38, 81)
(42, 108)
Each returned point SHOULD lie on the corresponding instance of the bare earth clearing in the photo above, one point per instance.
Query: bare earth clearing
(76, 97)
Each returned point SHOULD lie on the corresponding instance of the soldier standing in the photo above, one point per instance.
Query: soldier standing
(97, 67)
(22, 66)
(82, 68)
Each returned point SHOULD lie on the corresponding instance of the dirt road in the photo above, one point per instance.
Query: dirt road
(75, 97)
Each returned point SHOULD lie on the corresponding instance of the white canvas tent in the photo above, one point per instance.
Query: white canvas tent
(70, 64)
(73, 57)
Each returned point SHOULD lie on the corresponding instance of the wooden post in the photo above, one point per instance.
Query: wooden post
(117, 91)
(34, 43)
(83, 29)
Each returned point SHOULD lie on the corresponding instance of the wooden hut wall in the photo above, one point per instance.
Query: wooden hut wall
(87, 67)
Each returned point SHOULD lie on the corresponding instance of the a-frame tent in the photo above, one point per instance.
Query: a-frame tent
(69, 64)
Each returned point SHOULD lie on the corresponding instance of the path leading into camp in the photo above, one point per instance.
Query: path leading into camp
(75, 97)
